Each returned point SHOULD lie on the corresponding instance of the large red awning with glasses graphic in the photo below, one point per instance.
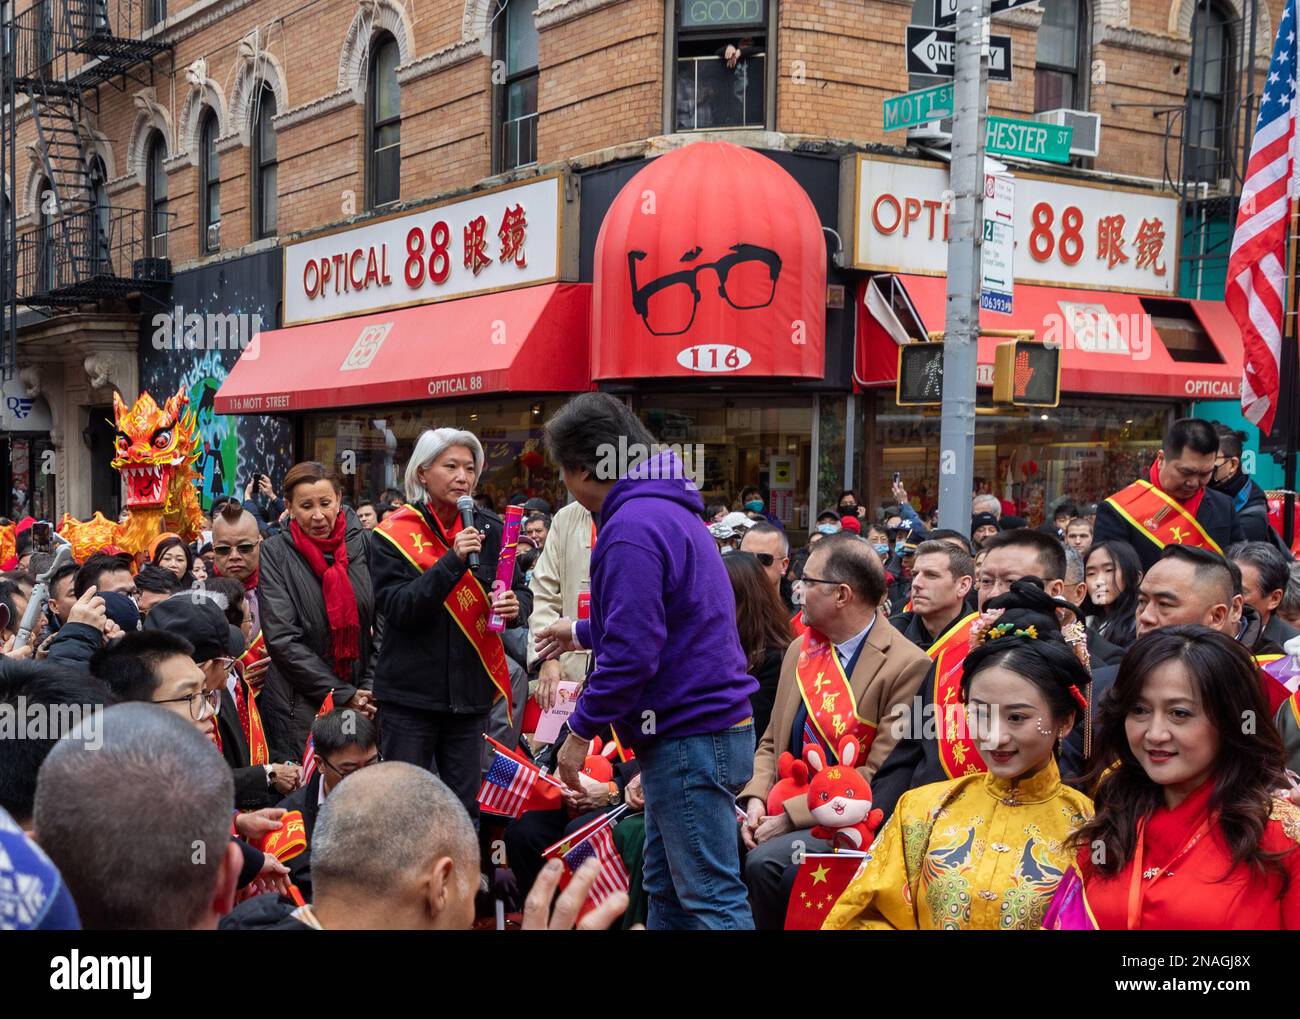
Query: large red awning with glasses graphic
(531, 340)
(710, 262)
(1114, 344)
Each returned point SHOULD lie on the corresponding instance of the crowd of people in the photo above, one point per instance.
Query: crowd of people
(294, 721)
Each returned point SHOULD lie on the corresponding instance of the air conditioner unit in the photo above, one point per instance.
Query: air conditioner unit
(933, 132)
(214, 236)
(1087, 129)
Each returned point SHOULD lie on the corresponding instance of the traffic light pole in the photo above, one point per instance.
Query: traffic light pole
(961, 321)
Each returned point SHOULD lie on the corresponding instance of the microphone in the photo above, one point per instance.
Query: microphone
(466, 506)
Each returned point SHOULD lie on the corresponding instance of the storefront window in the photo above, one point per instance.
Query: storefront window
(751, 440)
(370, 447)
(31, 489)
(830, 449)
(1085, 452)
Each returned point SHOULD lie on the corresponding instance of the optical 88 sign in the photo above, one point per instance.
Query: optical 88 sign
(495, 240)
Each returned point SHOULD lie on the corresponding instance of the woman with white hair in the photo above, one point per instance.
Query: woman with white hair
(440, 668)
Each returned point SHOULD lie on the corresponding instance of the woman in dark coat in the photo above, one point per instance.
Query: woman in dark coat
(316, 607)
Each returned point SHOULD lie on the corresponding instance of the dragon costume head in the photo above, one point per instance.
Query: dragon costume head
(156, 449)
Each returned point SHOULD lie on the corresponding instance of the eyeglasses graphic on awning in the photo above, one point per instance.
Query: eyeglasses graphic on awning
(746, 280)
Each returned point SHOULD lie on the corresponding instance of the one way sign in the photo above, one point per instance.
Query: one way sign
(931, 50)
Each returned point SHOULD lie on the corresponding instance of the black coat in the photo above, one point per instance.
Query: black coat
(911, 626)
(306, 800)
(768, 674)
(297, 631)
(425, 661)
(252, 792)
(1214, 514)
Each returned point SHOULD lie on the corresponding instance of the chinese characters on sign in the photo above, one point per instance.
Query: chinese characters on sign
(485, 242)
(1065, 234)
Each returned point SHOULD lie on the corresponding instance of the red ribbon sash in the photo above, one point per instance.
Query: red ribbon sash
(957, 753)
(828, 695)
(250, 719)
(1159, 517)
(411, 535)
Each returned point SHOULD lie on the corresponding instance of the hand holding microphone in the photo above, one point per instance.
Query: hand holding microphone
(469, 542)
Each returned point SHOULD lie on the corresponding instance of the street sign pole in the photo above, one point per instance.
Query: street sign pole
(961, 323)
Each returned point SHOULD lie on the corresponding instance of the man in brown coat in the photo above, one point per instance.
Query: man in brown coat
(844, 585)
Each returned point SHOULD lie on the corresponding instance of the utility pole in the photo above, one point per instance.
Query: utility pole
(961, 321)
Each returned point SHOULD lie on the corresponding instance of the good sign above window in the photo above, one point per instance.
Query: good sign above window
(496, 240)
(721, 13)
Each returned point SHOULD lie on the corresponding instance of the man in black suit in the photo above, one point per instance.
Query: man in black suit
(1265, 573)
(1183, 469)
(344, 741)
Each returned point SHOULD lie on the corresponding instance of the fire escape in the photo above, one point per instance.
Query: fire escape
(79, 250)
(1207, 140)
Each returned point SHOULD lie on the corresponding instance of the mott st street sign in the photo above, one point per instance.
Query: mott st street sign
(945, 11)
(915, 108)
(1028, 139)
(930, 51)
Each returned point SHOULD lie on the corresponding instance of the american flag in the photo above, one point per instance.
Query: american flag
(506, 786)
(596, 841)
(309, 752)
(1257, 284)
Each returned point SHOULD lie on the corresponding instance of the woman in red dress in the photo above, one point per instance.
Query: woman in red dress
(1187, 832)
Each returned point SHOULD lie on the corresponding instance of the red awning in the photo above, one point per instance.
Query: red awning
(1112, 341)
(530, 340)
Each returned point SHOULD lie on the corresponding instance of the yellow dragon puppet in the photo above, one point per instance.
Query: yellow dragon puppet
(156, 450)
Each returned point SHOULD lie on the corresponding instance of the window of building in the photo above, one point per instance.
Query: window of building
(517, 48)
(721, 64)
(156, 196)
(155, 12)
(209, 183)
(1209, 96)
(1062, 51)
(384, 124)
(101, 239)
(264, 166)
(45, 255)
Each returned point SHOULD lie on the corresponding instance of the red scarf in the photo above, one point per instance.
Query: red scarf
(340, 601)
(1191, 505)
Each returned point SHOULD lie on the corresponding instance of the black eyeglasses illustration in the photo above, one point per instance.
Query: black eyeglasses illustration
(746, 280)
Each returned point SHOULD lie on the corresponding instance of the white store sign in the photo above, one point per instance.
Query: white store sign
(1071, 235)
(494, 240)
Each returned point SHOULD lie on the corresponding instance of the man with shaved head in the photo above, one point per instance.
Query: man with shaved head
(394, 849)
(139, 826)
(1189, 585)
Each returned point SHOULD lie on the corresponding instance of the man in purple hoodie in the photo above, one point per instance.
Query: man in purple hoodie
(670, 675)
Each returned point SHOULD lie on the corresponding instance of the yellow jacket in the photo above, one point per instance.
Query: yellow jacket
(975, 853)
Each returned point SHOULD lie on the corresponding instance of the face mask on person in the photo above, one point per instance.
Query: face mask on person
(881, 550)
(754, 505)
(827, 528)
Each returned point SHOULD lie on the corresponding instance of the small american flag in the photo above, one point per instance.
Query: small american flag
(506, 786)
(599, 846)
(1256, 290)
(309, 752)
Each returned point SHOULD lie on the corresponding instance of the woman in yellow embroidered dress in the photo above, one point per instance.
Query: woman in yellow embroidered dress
(986, 851)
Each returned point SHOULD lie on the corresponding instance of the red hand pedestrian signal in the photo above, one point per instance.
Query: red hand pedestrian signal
(1023, 373)
(1027, 373)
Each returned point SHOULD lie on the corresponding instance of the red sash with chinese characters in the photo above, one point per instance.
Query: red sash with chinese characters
(958, 755)
(250, 719)
(411, 535)
(1159, 517)
(255, 655)
(828, 695)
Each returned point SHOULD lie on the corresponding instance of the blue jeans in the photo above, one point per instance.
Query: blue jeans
(692, 854)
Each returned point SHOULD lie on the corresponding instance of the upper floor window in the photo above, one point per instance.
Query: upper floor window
(721, 64)
(517, 49)
(209, 184)
(45, 268)
(264, 166)
(384, 124)
(1062, 49)
(101, 227)
(156, 196)
(155, 12)
(1209, 96)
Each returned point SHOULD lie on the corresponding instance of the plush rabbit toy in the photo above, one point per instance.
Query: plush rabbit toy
(840, 798)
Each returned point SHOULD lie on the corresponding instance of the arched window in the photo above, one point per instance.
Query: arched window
(516, 104)
(156, 196)
(264, 165)
(45, 267)
(209, 184)
(100, 239)
(383, 125)
(1062, 55)
(1209, 95)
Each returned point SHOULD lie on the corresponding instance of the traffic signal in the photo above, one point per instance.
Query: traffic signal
(920, 374)
(1027, 373)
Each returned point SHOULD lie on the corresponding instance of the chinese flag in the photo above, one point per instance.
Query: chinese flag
(821, 880)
